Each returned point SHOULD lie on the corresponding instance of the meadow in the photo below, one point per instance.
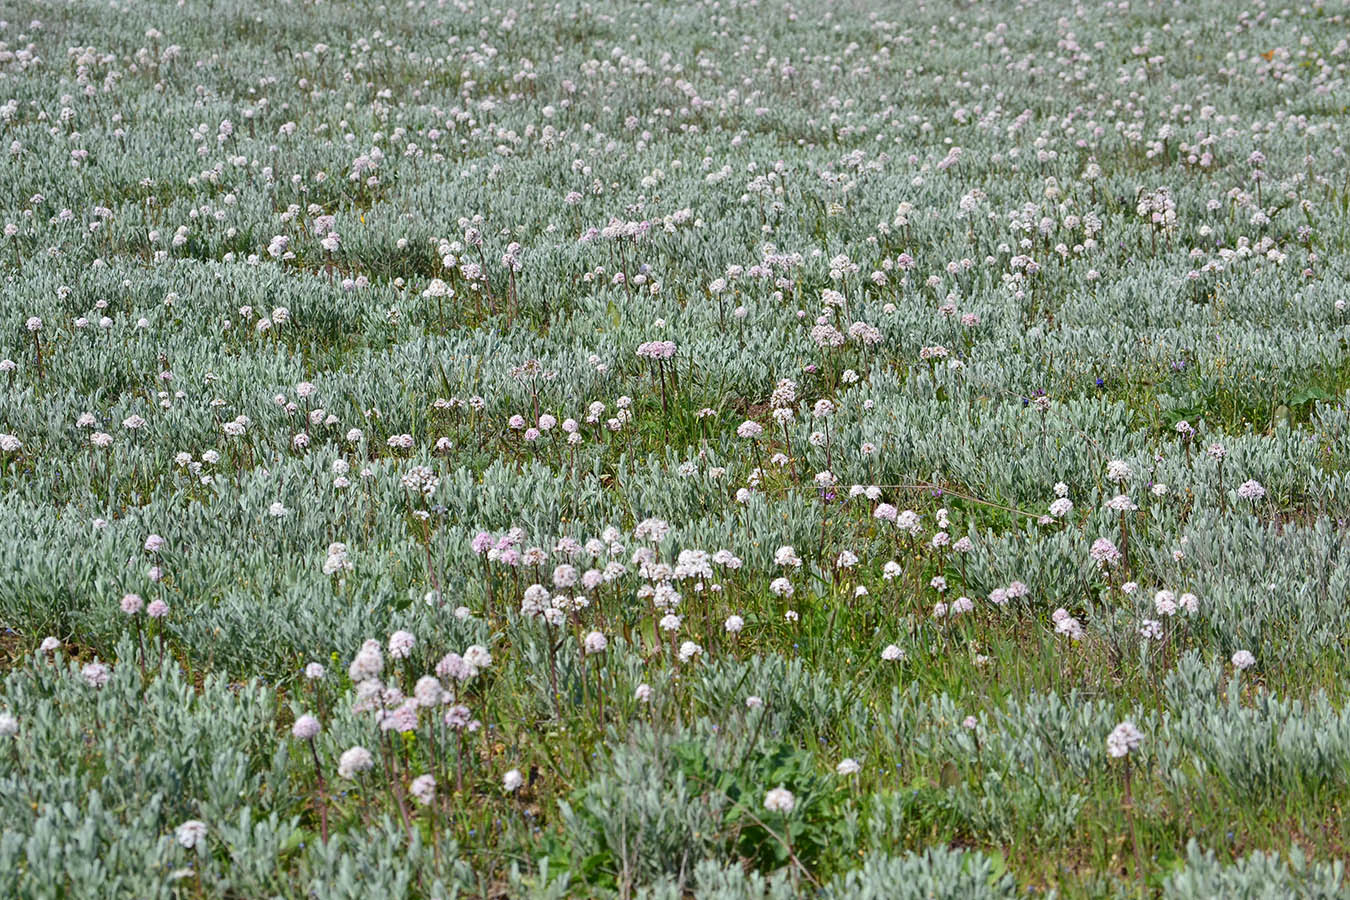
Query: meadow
(740, 449)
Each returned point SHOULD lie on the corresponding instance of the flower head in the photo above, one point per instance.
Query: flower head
(95, 674)
(354, 761)
(401, 644)
(190, 833)
(780, 799)
(1122, 739)
(423, 788)
(306, 727)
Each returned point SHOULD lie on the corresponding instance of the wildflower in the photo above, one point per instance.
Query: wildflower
(734, 624)
(423, 789)
(306, 727)
(848, 766)
(49, 644)
(1251, 490)
(1121, 503)
(401, 644)
(1122, 739)
(131, 604)
(95, 674)
(458, 717)
(1243, 659)
(780, 799)
(595, 643)
(689, 650)
(9, 726)
(891, 653)
(1104, 552)
(1164, 603)
(652, 530)
(1119, 471)
(1067, 625)
(157, 609)
(428, 691)
(512, 781)
(353, 761)
(643, 693)
(477, 658)
(368, 662)
(190, 833)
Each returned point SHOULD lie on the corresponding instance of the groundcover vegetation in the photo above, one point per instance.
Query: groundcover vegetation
(658, 450)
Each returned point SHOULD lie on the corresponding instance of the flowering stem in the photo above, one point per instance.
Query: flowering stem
(1129, 819)
(318, 795)
(600, 692)
(459, 761)
(1124, 543)
(391, 770)
(553, 673)
(1223, 498)
(140, 643)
